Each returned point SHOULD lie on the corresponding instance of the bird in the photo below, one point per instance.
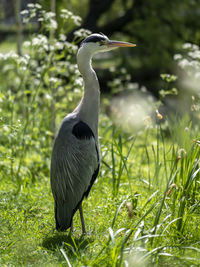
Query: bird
(75, 159)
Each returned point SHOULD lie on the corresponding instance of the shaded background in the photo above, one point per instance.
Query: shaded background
(158, 27)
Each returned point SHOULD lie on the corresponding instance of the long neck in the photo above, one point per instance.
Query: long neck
(88, 108)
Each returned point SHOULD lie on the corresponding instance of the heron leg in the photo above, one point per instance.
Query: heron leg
(82, 219)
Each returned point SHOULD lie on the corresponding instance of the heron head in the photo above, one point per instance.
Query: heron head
(100, 43)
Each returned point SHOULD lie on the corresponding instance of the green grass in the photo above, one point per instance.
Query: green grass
(162, 230)
(8, 45)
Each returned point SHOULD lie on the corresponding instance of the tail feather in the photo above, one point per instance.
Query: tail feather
(63, 216)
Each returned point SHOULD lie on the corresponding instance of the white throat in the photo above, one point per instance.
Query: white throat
(88, 108)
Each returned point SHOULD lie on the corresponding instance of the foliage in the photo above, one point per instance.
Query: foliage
(159, 29)
(144, 208)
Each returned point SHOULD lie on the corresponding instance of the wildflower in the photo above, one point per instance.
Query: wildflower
(195, 47)
(77, 20)
(36, 82)
(130, 209)
(23, 61)
(24, 12)
(177, 56)
(26, 43)
(180, 154)
(31, 5)
(66, 14)
(183, 63)
(123, 70)
(48, 96)
(38, 6)
(171, 187)
(194, 54)
(6, 128)
(82, 33)
(62, 37)
(187, 46)
(159, 116)
(59, 45)
(79, 81)
(2, 56)
(53, 24)
(40, 41)
(71, 47)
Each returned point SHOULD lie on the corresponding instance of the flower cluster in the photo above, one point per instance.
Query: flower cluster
(191, 61)
(67, 15)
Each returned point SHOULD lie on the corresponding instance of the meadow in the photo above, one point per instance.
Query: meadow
(144, 208)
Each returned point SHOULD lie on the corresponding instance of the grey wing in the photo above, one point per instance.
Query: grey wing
(74, 162)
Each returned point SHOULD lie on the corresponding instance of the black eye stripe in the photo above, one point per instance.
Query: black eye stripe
(94, 39)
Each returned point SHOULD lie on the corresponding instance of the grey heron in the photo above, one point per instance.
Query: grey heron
(75, 157)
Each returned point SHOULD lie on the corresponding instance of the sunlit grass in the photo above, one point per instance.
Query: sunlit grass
(8, 45)
(163, 228)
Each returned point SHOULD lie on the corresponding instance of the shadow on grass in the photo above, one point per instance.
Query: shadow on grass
(67, 241)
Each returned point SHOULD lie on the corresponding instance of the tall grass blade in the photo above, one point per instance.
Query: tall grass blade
(65, 256)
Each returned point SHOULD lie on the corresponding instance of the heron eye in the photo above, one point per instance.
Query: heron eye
(102, 42)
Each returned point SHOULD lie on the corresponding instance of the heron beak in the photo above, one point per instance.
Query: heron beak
(119, 44)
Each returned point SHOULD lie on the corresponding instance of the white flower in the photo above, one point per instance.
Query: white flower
(187, 46)
(194, 54)
(71, 46)
(23, 61)
(195, 47)
(79, 81)
(36, 82)
(177, 56)
(38, 6)
(53, 80)
(77, 20)
(40, 41)
(48, 96)
(27, 56)
(31, 5)
(62, 37)
(24, 12)
(26, 43)
(183, 63)
(82, 33)
(6, 128)
(59, 45)
(11, 55)
(53, 24)
(2, 56)
(194, 64)
(23, 68)
(112, 69)
(51, 48)
(123, 70)
(66, 12)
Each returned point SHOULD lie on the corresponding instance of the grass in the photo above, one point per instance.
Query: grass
(143, 210)
(135, 214)
(8, 45)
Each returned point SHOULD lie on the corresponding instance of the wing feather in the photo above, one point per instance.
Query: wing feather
(74, 161)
